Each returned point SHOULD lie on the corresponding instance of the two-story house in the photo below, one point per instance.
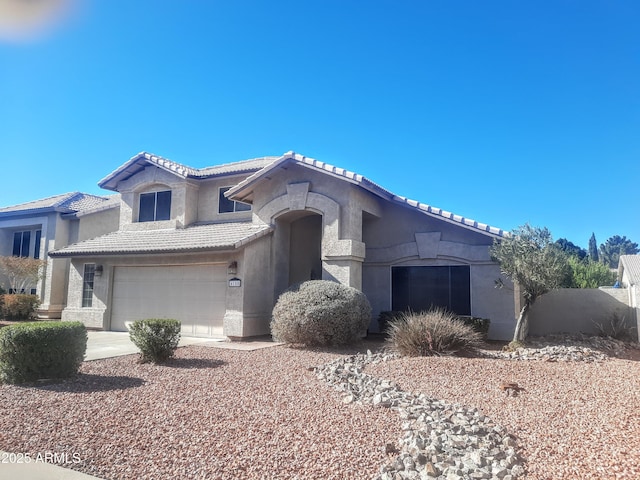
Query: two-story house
(214, 247)
(35, 228)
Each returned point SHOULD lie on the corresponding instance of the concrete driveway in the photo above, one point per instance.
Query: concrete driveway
(114, 344)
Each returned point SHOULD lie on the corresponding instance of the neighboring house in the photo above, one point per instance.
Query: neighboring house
(629, 277)
(214, 247)
(35, 228)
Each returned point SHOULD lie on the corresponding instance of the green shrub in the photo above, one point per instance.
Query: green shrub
(320, 312)
(157, 338)
(588, 273)
(41, 350)
(18, 306)
(436, 332)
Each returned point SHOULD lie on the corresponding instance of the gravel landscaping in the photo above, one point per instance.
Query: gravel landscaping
(218, 413)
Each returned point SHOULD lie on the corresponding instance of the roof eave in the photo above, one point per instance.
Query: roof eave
(82, 213)
(72, 254)
(110, 182)
(67, 252)
(242, 191)
(36, 211)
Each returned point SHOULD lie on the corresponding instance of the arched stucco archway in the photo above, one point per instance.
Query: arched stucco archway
(341, 247)
(298, 248)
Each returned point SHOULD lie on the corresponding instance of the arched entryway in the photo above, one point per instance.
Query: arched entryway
(298, 248)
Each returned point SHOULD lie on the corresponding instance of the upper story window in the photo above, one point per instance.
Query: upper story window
(22, 243)
(155, 206)
(36, 249)
(226, 206)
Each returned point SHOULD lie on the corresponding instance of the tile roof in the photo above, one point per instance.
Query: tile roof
(366, 184)
(631, 263)
(72, 202)
(235, 167)
(196, 238)
(88, 206)
(139, 162)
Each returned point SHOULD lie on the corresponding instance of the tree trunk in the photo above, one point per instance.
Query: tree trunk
(522, 325)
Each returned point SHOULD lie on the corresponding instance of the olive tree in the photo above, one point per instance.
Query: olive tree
(529, 258)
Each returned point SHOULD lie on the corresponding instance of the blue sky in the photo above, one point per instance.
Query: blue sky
(501, 111)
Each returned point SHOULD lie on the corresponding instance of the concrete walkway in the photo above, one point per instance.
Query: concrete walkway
(103, 345)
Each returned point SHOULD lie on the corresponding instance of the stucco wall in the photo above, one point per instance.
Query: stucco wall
(96, 224)
(68, 231)
(94, 316)
(258, 289)
(208, 200)
(153, 179)
(99, 314)
(363, 236)
(403, 237)
(576, 310)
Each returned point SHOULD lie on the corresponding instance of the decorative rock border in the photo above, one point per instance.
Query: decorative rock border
(440, 440)
(566, 348)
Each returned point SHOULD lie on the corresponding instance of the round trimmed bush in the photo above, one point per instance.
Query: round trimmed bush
(41, 350)
(157, 338)
(320, 312)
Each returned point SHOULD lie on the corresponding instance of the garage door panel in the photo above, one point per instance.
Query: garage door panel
(195, 295)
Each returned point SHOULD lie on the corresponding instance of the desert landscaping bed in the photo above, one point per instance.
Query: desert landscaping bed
(214, 413)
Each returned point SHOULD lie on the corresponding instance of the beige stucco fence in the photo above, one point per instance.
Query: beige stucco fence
(576, 310)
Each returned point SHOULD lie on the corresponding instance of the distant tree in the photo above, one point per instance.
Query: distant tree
(615, 246)
(593, 248)
(21, 273)
(571, 248)
(530, 258)
(587, 273)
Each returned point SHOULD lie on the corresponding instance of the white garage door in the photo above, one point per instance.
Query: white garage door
(193, 294)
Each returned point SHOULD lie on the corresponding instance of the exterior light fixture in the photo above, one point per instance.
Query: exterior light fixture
(232, 269)
(98, 271)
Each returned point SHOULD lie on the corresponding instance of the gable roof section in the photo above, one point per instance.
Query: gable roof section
(140, 161)
(242, 191)
(630, 263)
(66, 203)
(193, 239)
